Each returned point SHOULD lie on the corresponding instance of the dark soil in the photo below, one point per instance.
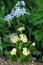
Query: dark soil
(5, 62)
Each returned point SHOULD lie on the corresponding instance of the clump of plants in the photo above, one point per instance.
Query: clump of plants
(17, 46)
(20, 48)
(21, 32)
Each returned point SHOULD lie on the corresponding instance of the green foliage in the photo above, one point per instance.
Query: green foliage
(2, 25)
(38, 35)
(32, 23)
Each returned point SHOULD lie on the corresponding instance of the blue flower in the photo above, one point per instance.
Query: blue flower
(18, 12)
(23, 3)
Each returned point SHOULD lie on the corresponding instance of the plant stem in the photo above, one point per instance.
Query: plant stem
(30, 30)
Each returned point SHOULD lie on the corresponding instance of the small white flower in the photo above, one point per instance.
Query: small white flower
(13, 51)
(25, 51)
(33, 44)
(14, 38)
(21, 29)
(23, 38)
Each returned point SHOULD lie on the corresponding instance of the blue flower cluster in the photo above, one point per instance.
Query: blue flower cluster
(18, 12)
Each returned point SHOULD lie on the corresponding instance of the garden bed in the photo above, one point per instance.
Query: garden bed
(3, 61)
(21, 32)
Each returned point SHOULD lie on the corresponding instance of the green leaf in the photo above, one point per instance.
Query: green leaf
(7, 52)
(38, 34)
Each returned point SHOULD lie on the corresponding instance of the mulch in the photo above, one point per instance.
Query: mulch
(5, 62)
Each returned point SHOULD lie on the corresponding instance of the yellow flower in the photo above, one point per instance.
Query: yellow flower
(23, 38)
(13, 51)
(33, 44)
(25, 49)
(14, 39)
(21, 29)
(25, 52)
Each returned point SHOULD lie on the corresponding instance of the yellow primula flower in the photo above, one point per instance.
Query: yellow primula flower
(25, 52)
(21, 29)
(13, 51)
(23, 38)
(25, 49)
(33, 44)
(14, 38)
